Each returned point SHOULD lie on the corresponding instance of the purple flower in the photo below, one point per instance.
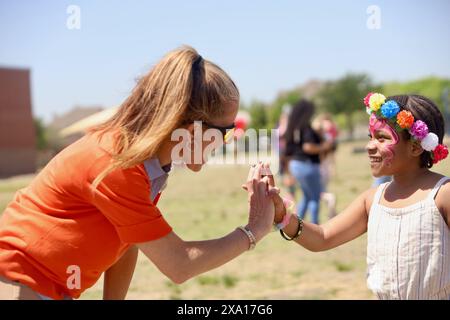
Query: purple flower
(419, 130)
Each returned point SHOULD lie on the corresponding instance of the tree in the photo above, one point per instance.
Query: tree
(345, 96)
(430, 87)
(258, 114)
(274, 112)
(41, 136)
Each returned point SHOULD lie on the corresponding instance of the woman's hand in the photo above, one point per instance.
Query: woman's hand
(261, 208)
(274, 193)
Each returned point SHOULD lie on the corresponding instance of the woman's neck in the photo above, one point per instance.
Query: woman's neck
(164, 154)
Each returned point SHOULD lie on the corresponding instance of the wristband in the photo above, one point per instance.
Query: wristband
(297, 233)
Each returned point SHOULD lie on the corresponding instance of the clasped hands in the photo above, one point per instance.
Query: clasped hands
(266, 207)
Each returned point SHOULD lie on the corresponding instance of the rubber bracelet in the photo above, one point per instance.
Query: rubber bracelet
(297, 233)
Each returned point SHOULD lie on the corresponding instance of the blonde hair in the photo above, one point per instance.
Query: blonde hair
(181, 88)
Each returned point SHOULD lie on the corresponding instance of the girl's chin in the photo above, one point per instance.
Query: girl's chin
(378, 170)
(382, 172)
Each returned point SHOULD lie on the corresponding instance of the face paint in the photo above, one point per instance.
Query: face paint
(386, 151)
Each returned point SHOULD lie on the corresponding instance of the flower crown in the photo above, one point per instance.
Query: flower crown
(403, 120)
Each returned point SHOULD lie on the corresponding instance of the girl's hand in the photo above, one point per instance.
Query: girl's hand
(261, 208)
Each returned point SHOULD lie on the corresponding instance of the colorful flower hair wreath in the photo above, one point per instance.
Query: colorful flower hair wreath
(403, 120)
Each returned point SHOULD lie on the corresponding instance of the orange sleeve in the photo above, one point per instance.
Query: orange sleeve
(123, 197)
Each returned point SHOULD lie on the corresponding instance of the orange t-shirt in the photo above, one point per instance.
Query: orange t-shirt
(59, 221)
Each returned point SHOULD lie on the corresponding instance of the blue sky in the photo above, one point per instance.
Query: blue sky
(266, 46)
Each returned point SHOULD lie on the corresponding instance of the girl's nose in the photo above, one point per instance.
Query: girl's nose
(371, 147)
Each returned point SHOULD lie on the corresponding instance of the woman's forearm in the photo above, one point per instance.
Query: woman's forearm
(181, 260)
(118, 277)
(202, 256)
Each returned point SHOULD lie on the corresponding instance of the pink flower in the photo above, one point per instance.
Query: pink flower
(440, 153)
(367, 98)
(419, 130)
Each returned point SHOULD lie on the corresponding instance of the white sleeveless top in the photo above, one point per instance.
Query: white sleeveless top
(408, 251)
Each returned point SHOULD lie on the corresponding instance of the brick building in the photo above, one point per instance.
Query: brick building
(17, 133)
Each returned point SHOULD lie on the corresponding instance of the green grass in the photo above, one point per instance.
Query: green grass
(342, 267)
(208, 281)
(210, 204)
(229, 281)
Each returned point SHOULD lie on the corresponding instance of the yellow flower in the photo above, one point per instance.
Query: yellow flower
(376, 100)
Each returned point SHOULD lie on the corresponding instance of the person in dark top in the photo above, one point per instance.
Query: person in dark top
(303, 147)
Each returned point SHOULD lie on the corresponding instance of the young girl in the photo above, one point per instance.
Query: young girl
(407, 220)
(90, 208)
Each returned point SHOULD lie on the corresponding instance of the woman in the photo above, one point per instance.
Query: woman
(94, 204)
(303, 147)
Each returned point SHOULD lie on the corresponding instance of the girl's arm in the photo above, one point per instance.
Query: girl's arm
(117, 278)
(346, 226)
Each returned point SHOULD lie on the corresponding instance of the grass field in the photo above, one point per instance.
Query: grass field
(210, 204)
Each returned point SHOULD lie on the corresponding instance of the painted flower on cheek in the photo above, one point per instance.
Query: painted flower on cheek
(386, 149)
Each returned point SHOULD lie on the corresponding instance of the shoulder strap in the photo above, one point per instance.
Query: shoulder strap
(436, 188)
(377, 196)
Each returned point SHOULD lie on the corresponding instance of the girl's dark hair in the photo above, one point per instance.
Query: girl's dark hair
(423, 109)
(299, 118)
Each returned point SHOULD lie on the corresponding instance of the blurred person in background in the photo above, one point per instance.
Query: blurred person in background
(288, 181)
(327, 128)
(304, 146)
